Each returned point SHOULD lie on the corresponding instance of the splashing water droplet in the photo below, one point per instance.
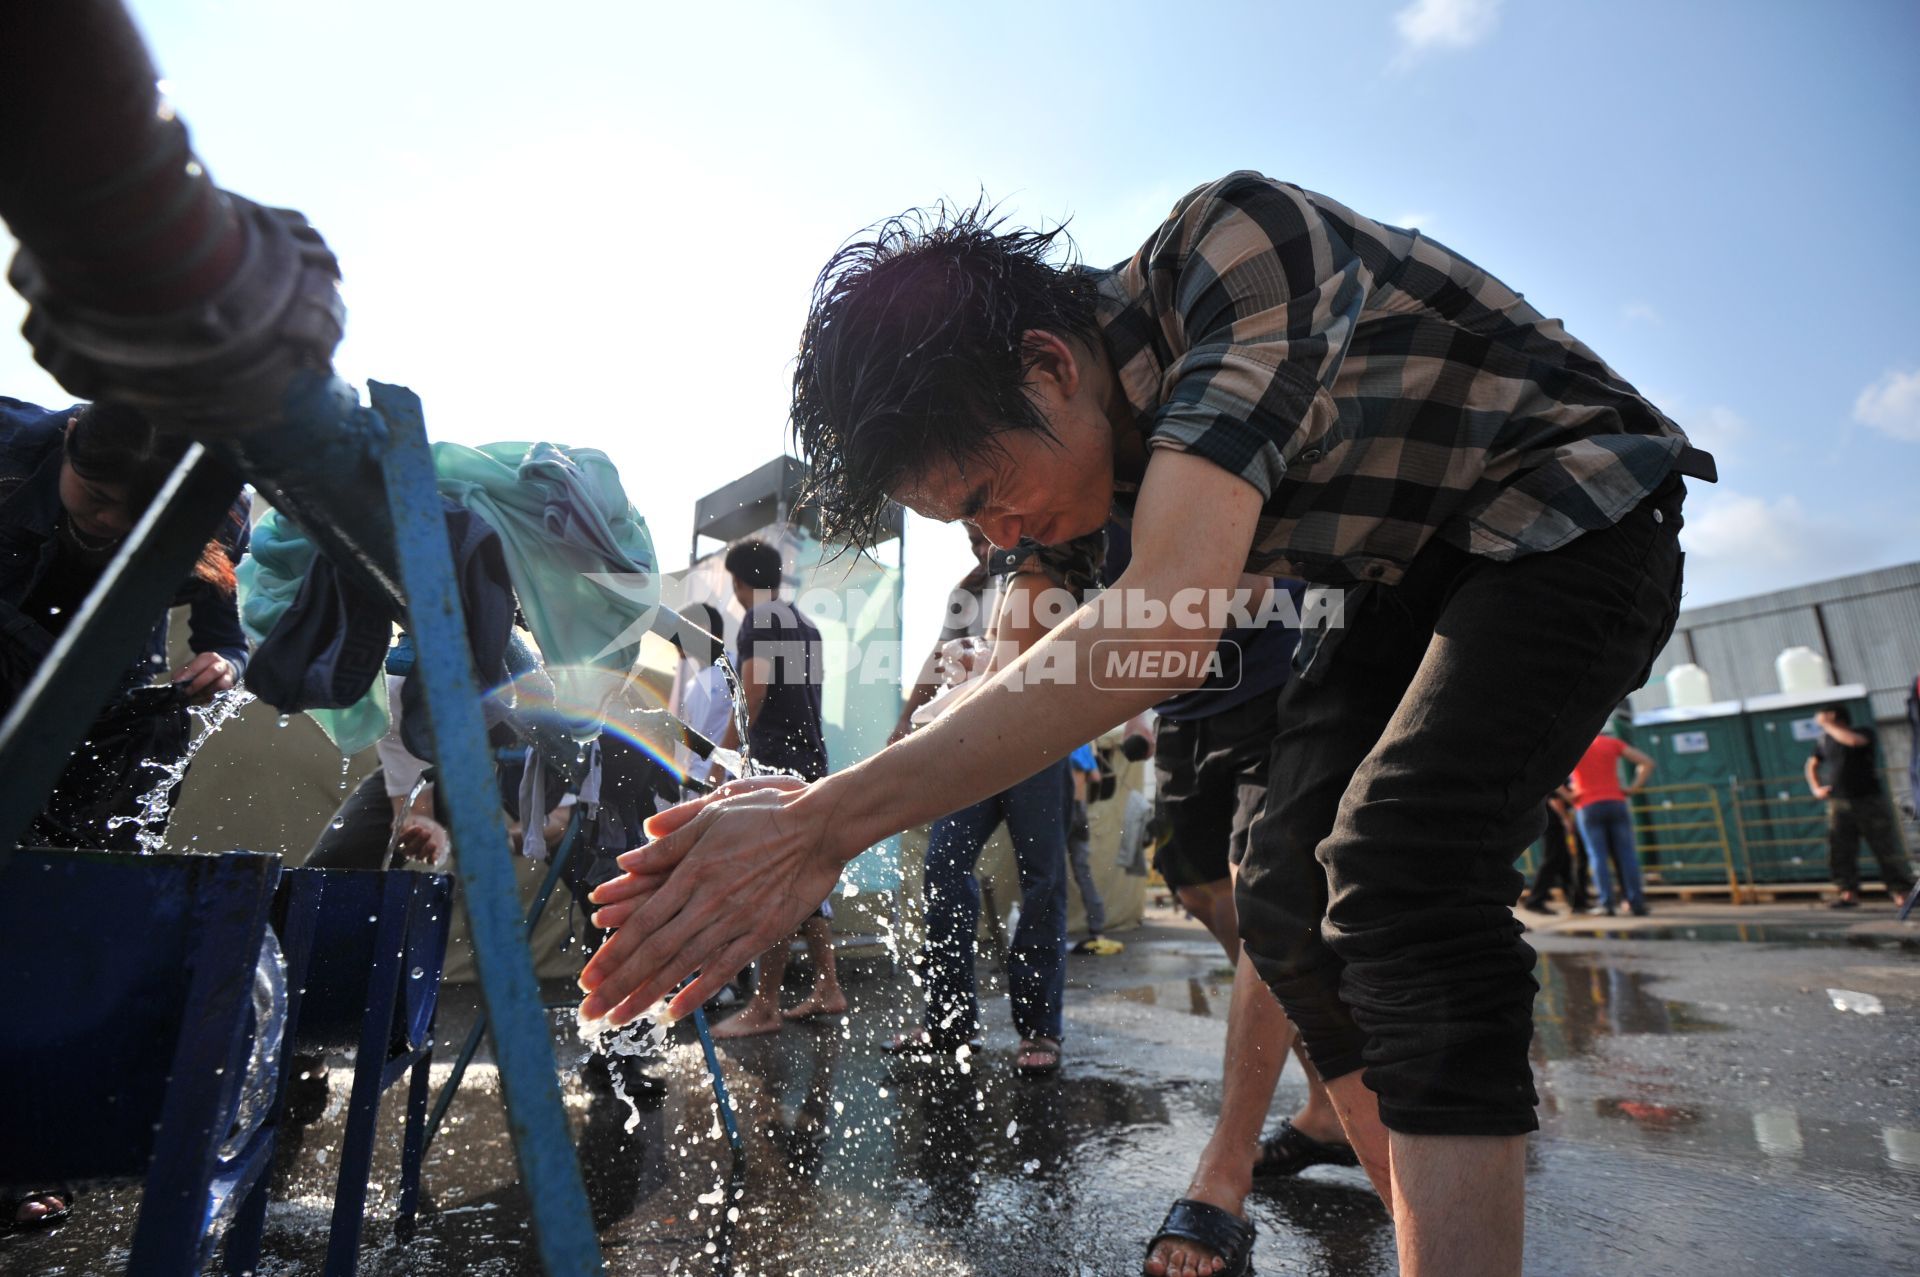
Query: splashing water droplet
(151, 835)
(644, 1038)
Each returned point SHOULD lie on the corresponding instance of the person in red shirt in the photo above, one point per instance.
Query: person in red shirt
(1606, 823)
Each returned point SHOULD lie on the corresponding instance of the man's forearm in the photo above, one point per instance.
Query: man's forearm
(1192, 525)
(1040, 709)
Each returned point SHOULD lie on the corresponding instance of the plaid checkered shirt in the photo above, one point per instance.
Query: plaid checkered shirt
(1377, 388)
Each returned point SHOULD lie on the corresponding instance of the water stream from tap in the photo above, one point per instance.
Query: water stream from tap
(157, 802)
(738, 697)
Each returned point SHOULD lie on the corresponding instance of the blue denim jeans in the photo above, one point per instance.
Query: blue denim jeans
(1036, 960)
(1607, 830)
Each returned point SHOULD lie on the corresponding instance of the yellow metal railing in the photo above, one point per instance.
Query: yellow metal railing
(1737, 828)
(1701, 818)
(1777, 816)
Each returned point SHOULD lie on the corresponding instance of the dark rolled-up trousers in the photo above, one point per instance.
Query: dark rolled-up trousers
(1410, 771)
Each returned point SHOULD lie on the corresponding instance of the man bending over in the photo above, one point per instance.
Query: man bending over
(1274, 384)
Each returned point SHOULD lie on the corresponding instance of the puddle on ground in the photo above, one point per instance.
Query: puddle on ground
(1586, 1000)
(1779, 1139)
(859, 1163)
(1756, 933)
(1197, 997)
(1583, 998)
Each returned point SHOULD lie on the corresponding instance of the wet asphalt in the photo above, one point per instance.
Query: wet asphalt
(1705, 1108)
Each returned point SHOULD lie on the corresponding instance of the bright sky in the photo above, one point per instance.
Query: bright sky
(598, 223)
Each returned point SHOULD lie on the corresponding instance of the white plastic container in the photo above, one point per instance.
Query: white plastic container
(1801, 669)
(1688, 686)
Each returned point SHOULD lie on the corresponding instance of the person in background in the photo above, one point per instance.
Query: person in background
(1559, 862)
(1211, 772)
(700, 697)
(390, 815)
(1841, 770)
(1605, 820)
(73, 482)
(780, 679)
(1913, 734)
(1033, 810)
(1083, 773)
(1913, 778)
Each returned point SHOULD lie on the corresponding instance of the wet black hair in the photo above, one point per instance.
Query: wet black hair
(754, 563)
(112, 443)
(1840, 713)
(912, 352)
(707, 617)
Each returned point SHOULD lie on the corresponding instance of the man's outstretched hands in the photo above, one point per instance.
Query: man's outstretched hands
(726, 877)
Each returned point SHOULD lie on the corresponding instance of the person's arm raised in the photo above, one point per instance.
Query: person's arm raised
(1642, 768)
(729, 874)
(1813, 779)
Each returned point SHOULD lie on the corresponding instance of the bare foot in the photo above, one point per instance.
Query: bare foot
(1178, 1257)
(834, 1003)
(749, 1023)
(42, 1208)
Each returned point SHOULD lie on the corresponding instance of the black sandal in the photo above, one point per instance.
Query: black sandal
(1289, 1150)
(1220, 1231)
(1047, 1054)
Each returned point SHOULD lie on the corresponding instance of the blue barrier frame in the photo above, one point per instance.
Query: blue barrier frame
(522, 1046)
(219, 906)
(557, 865)
(54, 714)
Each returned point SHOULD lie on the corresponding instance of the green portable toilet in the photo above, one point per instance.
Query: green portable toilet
(1685, 821)
(1787, 839)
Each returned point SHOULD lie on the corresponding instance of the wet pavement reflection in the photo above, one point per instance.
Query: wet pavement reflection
(1704, 1109)
(1759, 933)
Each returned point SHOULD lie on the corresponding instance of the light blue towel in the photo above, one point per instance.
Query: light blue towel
(581, 562)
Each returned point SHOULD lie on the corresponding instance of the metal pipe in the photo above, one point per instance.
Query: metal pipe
(147, 283)
(122, 218)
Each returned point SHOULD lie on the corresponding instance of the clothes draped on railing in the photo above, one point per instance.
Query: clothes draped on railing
(541, 526)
